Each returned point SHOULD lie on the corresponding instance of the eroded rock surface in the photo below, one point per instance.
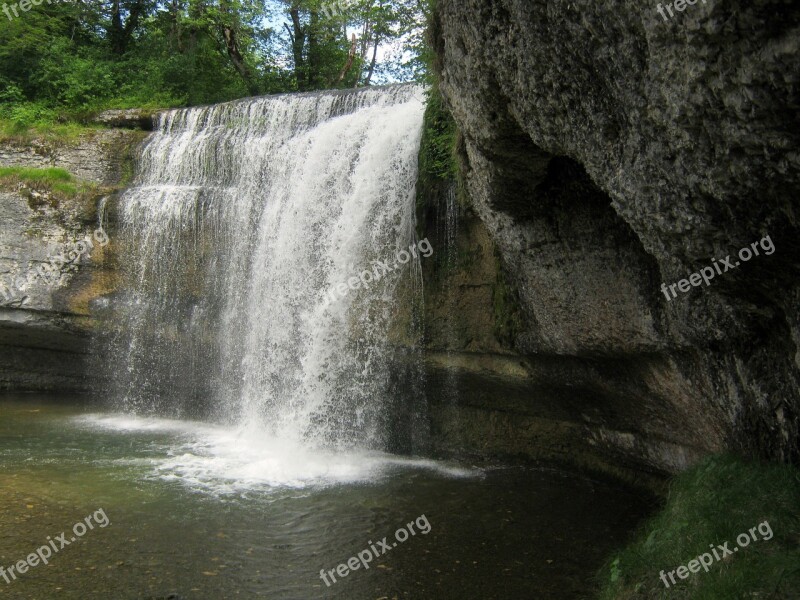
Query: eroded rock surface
(103, 156)
(48, 280)
(609, 151)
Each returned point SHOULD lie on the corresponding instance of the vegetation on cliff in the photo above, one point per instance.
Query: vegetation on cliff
(51, 187)
(710, 506)
(438, 147)
(54, 178)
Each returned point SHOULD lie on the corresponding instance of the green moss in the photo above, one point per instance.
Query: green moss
(438, 167)
(507, 320)
(442, 154)
(437, 149)
(709, 505)
(127, 148)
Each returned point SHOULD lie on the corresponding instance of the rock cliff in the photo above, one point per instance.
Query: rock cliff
(608, 151)
(49, 274)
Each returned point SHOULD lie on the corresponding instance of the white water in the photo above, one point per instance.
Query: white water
(243, 216)
(230, 460)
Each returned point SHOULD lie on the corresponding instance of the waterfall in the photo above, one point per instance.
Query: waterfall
(242, 217)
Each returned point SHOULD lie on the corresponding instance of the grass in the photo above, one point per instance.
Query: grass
(54, 187)
(24, 121)
(74, 199)
(47, 131)
(52, 179)
(712, 504)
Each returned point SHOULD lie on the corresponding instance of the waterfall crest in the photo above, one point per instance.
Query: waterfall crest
(242, 217)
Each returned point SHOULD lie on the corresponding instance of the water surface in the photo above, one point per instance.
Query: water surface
(196, 512)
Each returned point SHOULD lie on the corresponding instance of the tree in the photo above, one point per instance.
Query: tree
(124, 21)
(338, 43)
(318, 48)
(70, 58)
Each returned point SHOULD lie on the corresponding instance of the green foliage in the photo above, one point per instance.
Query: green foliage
(438, 167)
(73, 76)
(23, 115)
(507, 320)
(438, 159)
(22, 120)
(615, 572)
(438, 147)
(63, 61)
(52, 179)
(43, 129)
(712, 504)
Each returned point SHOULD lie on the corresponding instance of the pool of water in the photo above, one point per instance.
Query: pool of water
(199, 511)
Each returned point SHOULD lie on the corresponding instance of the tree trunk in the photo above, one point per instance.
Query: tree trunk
(367, 34)
(298, 36)
(372, 64)
(116, 28)
(232, 46)
(120, 34)
(350, 58)
(175, 25)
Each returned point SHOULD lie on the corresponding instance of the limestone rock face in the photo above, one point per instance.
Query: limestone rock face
(54, 260)
(43, 336)
(130, 118)
(101, 157)
(611, 150)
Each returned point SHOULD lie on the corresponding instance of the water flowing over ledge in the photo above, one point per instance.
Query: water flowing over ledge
(242, 216)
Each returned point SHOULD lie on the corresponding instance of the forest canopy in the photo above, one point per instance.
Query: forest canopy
(76, 57)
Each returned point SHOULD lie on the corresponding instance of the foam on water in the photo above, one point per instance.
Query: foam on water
(223, 459)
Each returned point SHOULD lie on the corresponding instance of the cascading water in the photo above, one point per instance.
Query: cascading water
(243, 216)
